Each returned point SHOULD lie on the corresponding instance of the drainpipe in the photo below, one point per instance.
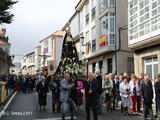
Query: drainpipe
(115, 38)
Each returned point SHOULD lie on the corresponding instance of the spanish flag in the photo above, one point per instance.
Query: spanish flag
(102, 40)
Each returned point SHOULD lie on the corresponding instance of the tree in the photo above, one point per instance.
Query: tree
(5, 15)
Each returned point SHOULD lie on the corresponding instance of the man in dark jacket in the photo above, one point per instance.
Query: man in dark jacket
(157, 92)
(92, 88)
(146, 92)
(111, 78)
(54, 87)
(99, 79)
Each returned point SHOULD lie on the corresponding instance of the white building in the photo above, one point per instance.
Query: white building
(144, 35)
(37, 59)
(16, 69)
(99, 22)
(52, 46)
(28, 64)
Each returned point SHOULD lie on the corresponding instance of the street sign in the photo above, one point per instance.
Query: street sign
(52, 67)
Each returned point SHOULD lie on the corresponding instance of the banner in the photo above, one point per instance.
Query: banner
(52, 67)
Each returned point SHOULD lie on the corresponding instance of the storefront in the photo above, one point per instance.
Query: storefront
(148, 61)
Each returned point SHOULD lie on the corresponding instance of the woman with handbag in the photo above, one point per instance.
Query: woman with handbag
(125, 95)
(107, 92)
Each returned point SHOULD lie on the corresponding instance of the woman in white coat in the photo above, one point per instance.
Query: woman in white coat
(125, 95)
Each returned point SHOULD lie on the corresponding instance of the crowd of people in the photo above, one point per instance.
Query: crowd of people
(98, 90)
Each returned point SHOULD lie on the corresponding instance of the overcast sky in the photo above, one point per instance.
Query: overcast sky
(35, 20)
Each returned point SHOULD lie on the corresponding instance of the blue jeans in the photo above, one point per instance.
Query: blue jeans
(64, 108)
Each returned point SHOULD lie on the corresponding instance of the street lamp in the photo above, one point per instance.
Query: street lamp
(82, 41)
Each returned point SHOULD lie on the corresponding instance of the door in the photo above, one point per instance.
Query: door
(110, 65)
(151, 67)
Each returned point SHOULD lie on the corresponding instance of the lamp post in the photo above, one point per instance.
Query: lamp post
(89, 44)
(82, 41)
(12, 59)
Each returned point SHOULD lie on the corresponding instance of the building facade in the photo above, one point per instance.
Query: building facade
(5, 58)
(100, 22)
(144, 36)
(16, 69)
(28, 64)
(52, 47)
(37, 59)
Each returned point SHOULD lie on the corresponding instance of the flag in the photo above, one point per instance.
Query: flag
(87, 49)
(102, 40)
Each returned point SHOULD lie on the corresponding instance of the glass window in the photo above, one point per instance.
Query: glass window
(111, 24)
(112, 38)
(154, 5)
(93, 33)
(141, 5)
(103, 5)
(131, 4)
(148, 60)
(93, 13)
(87, 13)
(142, 33)
(87, 37)
(135, 2)
(155, 59)
(111, 3)
(146, 9)
(141, 12)
(154, 12)
(93, 3)
(146, 2)
(81, 20)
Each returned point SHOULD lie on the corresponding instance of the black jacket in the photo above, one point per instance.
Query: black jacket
(95, 88)
(146, 92)
(157, 90)
(99, 79)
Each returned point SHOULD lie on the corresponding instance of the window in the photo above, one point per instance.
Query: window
(101, 66)
(104, 4)
(93, 13)
(81, 20)
(74, 26)
(93, 9)
(112, 24)
(111, 3)
(130, 65)
(87, 37)
(93, 67)
(107, 29)
(87, 13)
(112, 38)
(109, 61)
(93, 38)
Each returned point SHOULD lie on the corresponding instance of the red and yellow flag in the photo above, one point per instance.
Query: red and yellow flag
(87, 49)
(102, 40)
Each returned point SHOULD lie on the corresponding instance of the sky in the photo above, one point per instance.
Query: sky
(35, 20)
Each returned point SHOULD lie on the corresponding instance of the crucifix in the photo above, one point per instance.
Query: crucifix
(44, 58)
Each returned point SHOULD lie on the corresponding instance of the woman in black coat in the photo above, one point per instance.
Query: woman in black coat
(42, 93)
